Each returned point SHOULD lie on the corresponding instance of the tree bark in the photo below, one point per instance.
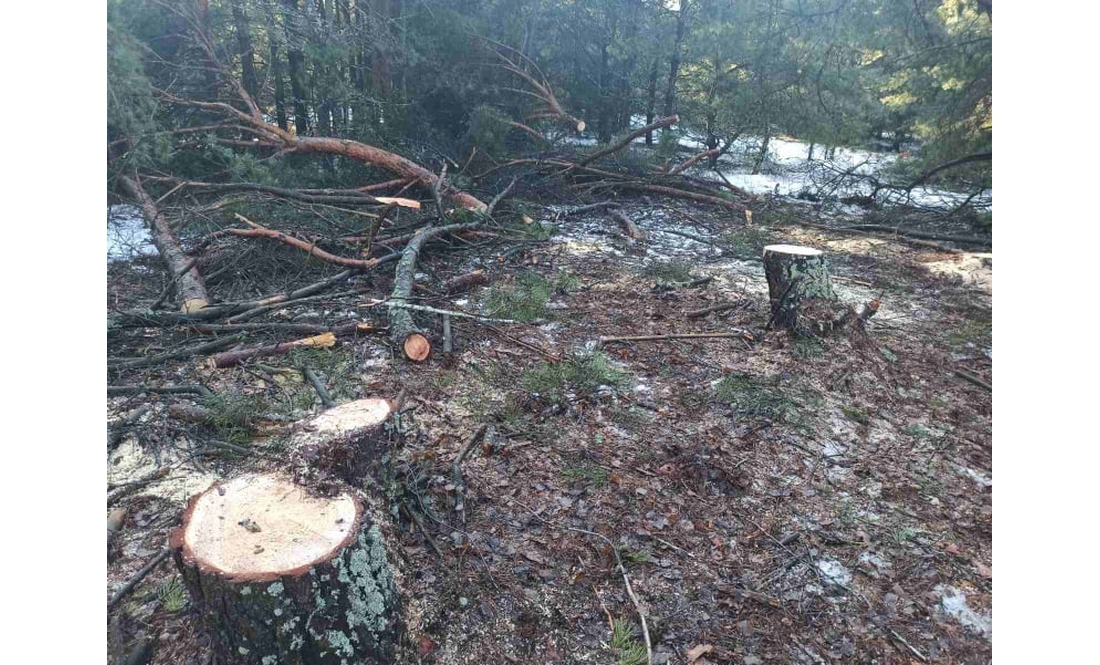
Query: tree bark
(387, 160)
(344, 444)
(236, 357)
(281, 575)
(280, 91)
(463, 282)
(674, 61)
(192, 289)
(798, 279)
(651, 102)
(403, 330)
(628, 226)
(763, 151)
(258, 231)
(625, 141)
(244, 49)
(297, 61)
(681, 194)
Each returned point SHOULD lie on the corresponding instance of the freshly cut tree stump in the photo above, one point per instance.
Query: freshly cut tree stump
(798, 285)
(345, 443)
(284, 576)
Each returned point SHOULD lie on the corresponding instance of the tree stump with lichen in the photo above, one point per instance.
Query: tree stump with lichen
(799, 288)
(281, 575)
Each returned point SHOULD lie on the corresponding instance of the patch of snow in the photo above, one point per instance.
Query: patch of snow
(834, 571)
(953, 604)
(127, 235)
(980, 478)
(874, 561)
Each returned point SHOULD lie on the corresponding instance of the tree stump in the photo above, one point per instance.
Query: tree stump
(345, 444)
(798, 286)
(284, 576)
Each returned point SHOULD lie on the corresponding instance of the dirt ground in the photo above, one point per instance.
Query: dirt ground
(772, 500)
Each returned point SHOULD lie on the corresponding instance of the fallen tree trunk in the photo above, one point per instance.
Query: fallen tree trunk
(281, 575)
(257, 231)
(181, 354)
(344, 197)
(403, 330)
(253, 121)
(891, 230)
(691, 162)
(626, 140)
(678, 193)
(192, 289)
(387, 160)
(324, 340)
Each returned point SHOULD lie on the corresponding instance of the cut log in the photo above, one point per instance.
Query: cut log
(235, 357)
(345, 443)
(281, 575)
(403, 330)
(798, 277)
(466, 281)
(192, 289)
(115, 519)
(629, 227)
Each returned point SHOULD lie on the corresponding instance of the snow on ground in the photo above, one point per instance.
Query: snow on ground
(127, 235)
(788, 170)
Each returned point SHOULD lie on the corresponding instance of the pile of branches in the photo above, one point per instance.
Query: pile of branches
(450, 210)
(598, 173)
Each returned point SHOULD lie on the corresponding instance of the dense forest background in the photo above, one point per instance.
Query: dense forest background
(432, 80)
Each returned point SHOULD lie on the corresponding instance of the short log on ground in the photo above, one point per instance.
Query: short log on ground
(798, 280)
(284, 576)
(345, 443)
(404, 332)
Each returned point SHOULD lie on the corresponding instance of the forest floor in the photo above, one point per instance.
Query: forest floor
(772, 500)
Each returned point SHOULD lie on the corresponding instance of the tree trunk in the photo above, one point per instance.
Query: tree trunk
(297, 61)
(280, 575)
(387, 160)
(189, 282)
(236, 357)
(798, 280)
(280, 92)
(763, 151)
(674, 62)
(244, 48)
(651, 102)
(380, 70)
